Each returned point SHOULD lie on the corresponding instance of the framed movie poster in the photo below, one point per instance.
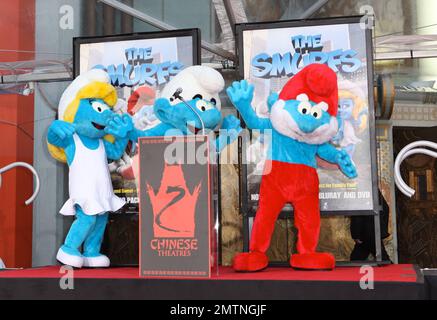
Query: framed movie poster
(139, 66)
(176, 215)
(270, 54)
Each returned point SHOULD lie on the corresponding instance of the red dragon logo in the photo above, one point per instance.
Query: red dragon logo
(173, 205)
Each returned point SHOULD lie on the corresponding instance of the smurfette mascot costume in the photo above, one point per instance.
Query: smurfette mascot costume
(85, 136)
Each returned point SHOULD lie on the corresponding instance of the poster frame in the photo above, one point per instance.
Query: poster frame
(193, 32)
(240, 28)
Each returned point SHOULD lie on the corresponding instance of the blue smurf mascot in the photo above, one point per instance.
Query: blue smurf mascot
(87, 134)
(190, 104)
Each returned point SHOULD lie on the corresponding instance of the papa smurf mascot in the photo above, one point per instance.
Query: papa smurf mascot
(189, 103)
(86, 135)
(302, 121)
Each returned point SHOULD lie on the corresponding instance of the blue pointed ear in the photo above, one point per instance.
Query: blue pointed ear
(163, 109)
(273, 97)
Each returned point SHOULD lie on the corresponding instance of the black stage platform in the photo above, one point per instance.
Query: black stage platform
(430, 276)
(391, 282)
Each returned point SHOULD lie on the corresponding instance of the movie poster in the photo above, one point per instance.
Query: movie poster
(176, 218)
(139, 66)
(270, 56)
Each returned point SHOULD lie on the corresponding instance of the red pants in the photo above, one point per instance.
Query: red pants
(288, 183)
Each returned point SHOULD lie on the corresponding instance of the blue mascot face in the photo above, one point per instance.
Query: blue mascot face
(345, 108)
(91, 118)
(308, 117)
(183, 118)
(303, 120)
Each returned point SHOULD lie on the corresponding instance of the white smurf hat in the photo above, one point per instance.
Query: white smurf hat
(195, 80)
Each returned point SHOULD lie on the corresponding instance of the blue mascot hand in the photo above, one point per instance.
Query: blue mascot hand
(241, 94)
(60, 131)
(272, 98)
(161, 103)
(346, 164)
(119, 126)
(231, 122)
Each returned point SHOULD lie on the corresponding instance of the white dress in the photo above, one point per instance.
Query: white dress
(90, 184)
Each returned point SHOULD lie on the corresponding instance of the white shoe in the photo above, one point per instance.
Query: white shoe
(69, 259)
(101, 261)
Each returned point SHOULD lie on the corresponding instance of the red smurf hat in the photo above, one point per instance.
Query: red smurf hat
(143, 95)
(318, 82)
